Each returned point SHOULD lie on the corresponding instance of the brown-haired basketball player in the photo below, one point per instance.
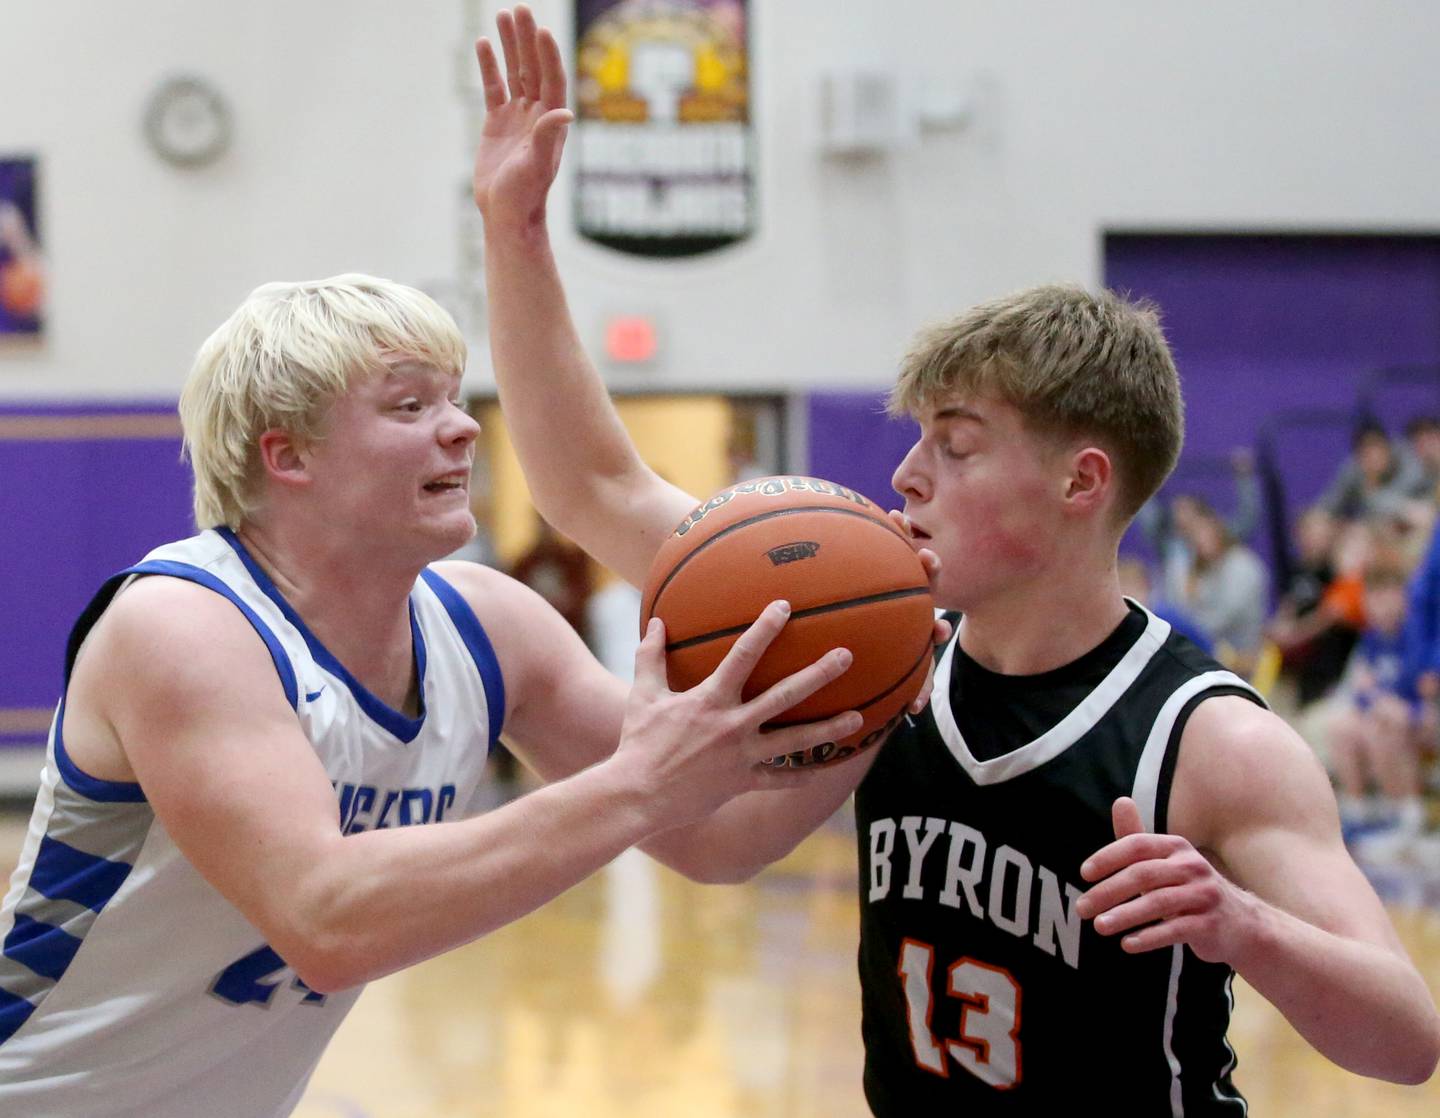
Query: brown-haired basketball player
(1066, 859)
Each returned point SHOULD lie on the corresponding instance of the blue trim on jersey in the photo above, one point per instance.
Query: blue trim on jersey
(212, 582)
(123, 791)
(14, 1012)
(44, 948)
(481, 651)
(381, 713)
(81, 782)
(63, 873)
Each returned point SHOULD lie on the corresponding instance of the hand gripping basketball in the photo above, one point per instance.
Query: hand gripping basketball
(853, 580)
(704, 745)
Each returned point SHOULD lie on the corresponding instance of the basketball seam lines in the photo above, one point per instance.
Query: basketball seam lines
(811, 611)
(755, 520)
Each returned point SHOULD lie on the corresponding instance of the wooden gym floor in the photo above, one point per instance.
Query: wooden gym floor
(641, 995)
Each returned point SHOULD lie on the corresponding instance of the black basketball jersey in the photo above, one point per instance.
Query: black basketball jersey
(984, 993)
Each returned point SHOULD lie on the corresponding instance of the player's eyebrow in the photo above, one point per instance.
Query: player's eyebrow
(958, 411)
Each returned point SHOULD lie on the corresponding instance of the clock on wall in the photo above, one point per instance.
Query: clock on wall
(187, 122)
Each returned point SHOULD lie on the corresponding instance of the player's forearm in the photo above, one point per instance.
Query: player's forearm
(758, 829)
(373, 903)
(582, 468)
(1360, 1004)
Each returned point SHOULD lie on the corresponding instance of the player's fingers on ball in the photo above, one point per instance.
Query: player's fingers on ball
(650, 659)
(796, 739)
(923, 697)
(901, 522)
(941, 632)
(798, 687)
(745, 653)
(491, 80)
(930, 560)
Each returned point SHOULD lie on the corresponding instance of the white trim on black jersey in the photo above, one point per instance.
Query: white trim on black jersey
(1060, 737)
(1152, 759)
(1145, 793)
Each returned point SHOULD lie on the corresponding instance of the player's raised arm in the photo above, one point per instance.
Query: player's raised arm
(583, 470)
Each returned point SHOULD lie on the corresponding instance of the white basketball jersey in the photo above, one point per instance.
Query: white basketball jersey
(129, 986)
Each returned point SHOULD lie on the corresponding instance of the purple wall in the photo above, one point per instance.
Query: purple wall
(85, 490)
(1286, 338)
(853, 442)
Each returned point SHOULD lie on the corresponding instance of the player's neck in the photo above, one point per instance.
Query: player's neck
(355, 605)
(1037, 629)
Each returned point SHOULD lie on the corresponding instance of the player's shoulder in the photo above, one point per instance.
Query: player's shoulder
(167, 640)
(493, 595)
(527, 633)
(169, 612)
(1240, 763)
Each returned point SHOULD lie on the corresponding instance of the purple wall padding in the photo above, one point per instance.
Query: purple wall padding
(853, 442)
(85, 490)
(1287, 333)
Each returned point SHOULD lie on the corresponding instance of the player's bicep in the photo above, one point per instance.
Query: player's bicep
(209, 733)
(563, 710)
(1251, 793)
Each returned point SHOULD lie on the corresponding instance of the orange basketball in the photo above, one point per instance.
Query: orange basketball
(851, 578)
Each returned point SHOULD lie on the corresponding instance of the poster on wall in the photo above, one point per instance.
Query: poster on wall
(22, 275)
(665, 160)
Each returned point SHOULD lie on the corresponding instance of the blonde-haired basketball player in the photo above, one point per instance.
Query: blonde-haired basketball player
(257, 721)
(1066, 859)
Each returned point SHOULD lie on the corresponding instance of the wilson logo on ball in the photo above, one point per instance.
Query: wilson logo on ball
(792, 552)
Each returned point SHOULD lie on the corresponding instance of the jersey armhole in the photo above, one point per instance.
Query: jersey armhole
(1172, 749)
(114, 791)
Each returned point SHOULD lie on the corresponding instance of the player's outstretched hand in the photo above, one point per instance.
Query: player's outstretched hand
(701, 747)
(525, 121)
(1158, 890)
(931, 562)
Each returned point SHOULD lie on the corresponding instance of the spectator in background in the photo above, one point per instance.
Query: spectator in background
(1313, 628)
(1135, 583)
(1374, 481)
(1167, 526)
(1229, 591)
(1421, 457)
(559, 572)
(1373, 736)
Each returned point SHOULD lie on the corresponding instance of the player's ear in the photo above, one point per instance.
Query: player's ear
(1088, 483)
(283, 457)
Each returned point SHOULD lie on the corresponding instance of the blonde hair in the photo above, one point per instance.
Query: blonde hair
(1074, 364)
(281, 359)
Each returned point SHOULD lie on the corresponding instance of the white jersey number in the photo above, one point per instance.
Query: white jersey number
(989, 1043)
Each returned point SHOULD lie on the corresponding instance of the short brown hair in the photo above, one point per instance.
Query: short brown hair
(1074, 364)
